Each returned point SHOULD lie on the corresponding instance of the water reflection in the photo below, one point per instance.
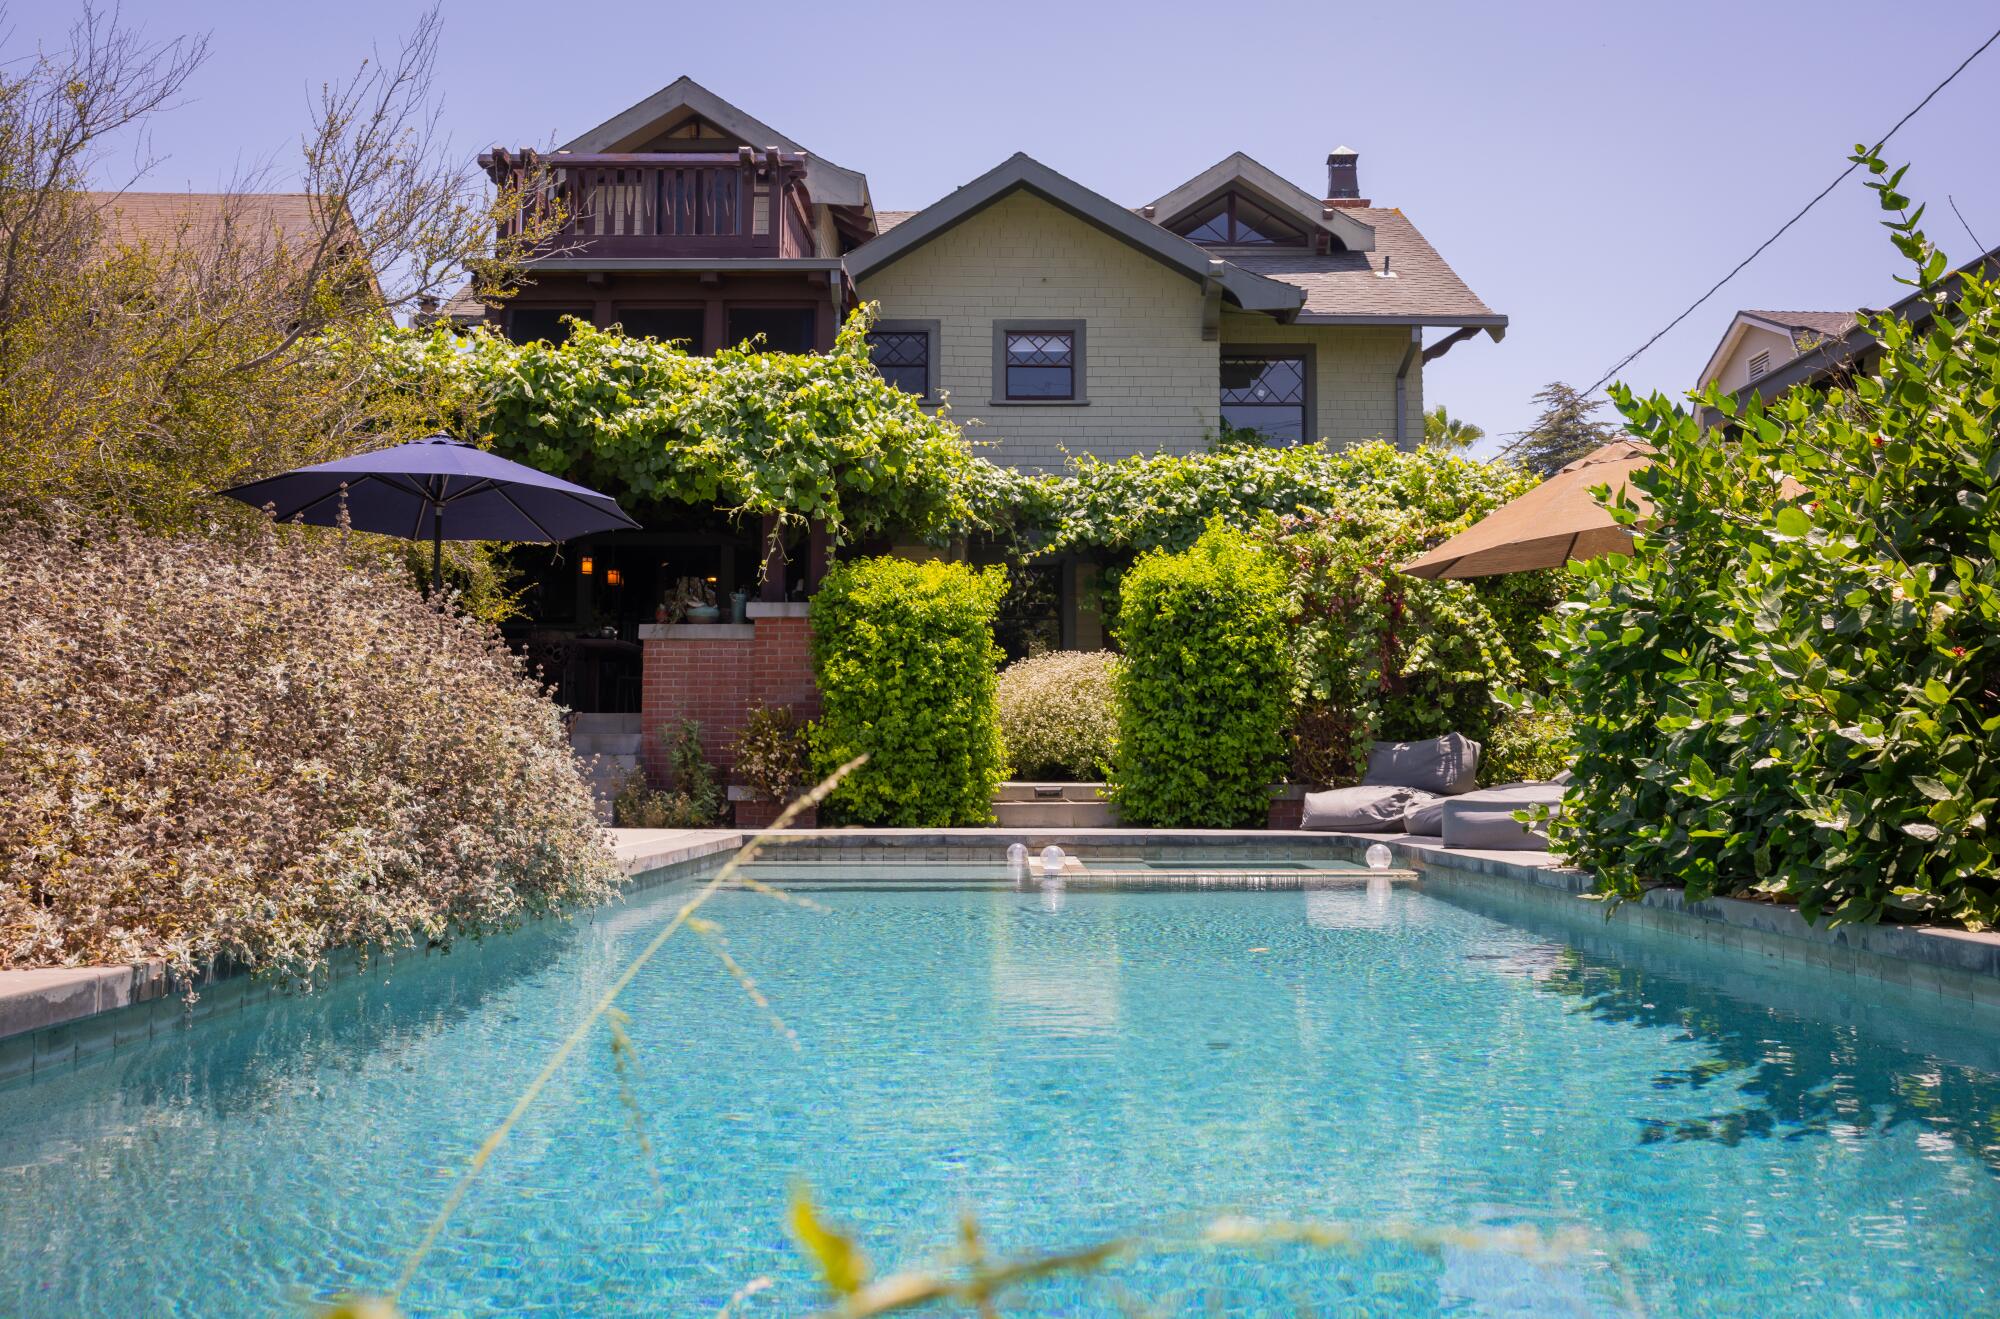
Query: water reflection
(1791, 1053)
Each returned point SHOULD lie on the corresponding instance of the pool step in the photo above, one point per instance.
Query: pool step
(1027, 805)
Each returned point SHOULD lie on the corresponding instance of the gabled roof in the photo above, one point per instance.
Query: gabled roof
(829, 184)
(1827, 324)
(1238, 172)
(1019, 173)
(197, 217)
(1806, 330)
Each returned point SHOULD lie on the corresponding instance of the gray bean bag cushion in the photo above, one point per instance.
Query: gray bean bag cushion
(1369, 809)
(1484, 820)
(1448, 765)
(1426, 818)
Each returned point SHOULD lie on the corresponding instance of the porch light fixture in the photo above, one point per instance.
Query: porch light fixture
(586, 565)
(612, 577)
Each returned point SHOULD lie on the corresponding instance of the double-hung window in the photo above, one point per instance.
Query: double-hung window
(1268, 391)
(1040, 362)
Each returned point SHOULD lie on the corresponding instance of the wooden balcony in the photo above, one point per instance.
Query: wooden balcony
(664, 206)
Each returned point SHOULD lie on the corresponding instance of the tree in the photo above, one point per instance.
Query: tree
(1448, 434)
(148, 360)
(1564, 432)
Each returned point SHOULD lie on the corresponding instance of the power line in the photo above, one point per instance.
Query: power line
(1961, 219)
(1630, 357)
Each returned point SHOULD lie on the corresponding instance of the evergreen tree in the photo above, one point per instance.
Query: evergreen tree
(1564, 432)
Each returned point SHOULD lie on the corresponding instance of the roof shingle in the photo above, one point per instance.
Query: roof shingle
(1420, 286)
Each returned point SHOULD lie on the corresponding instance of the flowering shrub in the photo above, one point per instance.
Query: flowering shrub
(1059, 715)
(904, 656)
(262, 753)
(1793, 686)
(1205, 685)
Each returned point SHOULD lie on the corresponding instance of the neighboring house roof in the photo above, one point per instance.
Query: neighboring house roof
(1239, 172)
(133, 218)
(887, 220)
(1832, 341)
(1826, 324)
(461, 308)
(1351, 288)
(828, 183)
(1020, 172)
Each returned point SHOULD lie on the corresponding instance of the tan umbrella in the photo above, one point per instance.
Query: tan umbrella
(1556, 521)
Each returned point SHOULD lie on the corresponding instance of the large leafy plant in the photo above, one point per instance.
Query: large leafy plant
(904, 656)
(1791, 688)
(1205, 686)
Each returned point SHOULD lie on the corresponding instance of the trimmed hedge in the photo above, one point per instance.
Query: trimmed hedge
(905, 660)
(1205, 686)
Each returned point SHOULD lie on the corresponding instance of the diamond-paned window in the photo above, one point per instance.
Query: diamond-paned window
(904, 359)
(1041, 364)
(1233, 221)
(1265, 394)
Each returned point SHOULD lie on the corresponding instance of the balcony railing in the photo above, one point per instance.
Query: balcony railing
(636, 205)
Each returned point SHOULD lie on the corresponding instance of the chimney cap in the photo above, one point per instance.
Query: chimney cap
(1341, 151)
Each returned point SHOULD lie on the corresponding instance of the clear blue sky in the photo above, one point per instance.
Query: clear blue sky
(1588, 168)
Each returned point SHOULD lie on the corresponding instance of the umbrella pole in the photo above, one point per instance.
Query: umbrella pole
(437, 553)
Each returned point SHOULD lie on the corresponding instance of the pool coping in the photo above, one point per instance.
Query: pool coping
(58, 1016)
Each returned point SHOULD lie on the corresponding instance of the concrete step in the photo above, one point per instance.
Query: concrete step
(605, 744)
(1056, 814)
(1024, 790)
(604, 723)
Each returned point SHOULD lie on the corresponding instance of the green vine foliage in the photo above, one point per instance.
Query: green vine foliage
(1166, 501)
(1380, 654)
(904, 655)
(1205, 686)
(813, 436)
(1793, 687)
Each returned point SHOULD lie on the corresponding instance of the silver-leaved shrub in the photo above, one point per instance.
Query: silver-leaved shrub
(258, 752)
(1059, 714)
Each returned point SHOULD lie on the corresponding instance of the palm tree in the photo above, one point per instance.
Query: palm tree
(1447, 433)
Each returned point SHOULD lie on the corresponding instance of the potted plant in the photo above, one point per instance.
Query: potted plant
(692, 600)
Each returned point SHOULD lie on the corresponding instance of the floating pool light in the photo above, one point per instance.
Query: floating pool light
(1052, 860)
(1017, 862)
(1379, 857)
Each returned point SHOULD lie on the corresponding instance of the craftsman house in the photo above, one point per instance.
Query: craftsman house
(1064, 323)
(1060, 321)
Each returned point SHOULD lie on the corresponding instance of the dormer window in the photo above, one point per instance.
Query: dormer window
(1232, 220)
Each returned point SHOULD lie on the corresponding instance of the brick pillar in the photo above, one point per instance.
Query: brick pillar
(698, 671)
(781, 658)
(715, 673)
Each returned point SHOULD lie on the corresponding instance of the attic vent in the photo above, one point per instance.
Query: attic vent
(1760, 363)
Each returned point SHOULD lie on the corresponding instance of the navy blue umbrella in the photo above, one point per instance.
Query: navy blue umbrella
(438, 489)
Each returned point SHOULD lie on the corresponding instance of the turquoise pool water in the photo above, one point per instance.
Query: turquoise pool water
(1517, 1118)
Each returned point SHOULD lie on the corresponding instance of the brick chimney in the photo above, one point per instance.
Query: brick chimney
(1343, 178)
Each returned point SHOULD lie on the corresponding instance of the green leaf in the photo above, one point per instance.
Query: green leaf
(841, 1265)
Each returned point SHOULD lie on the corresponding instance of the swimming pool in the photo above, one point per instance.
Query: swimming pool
(1515, 1116)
